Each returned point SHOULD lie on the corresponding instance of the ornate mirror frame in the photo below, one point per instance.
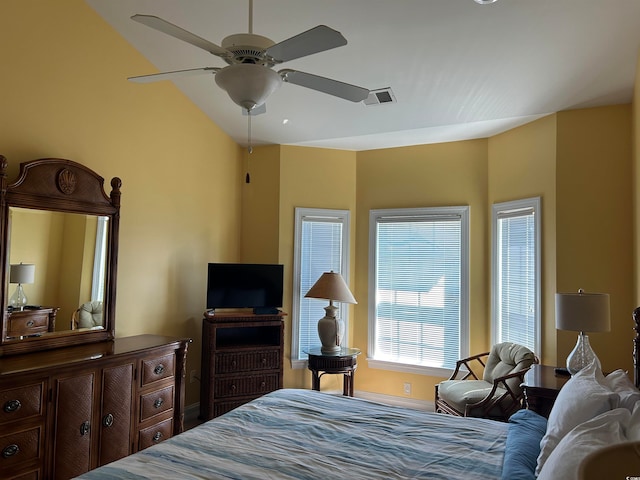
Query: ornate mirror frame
(59, 185)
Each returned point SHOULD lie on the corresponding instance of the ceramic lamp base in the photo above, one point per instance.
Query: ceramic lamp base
(330, 330)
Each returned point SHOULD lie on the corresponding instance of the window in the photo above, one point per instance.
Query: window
(418, 288)
(100, 260)
(516, 273)
(321, 245)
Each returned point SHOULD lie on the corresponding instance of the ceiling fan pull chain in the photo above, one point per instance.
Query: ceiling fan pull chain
(247, 178)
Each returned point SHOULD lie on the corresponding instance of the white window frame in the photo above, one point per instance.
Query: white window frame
(299, 358)
(513, 208)
(409, 214)
(99, 260)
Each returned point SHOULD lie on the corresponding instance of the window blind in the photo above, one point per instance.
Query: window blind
(516, 282)
(418, 263)
(321, 244)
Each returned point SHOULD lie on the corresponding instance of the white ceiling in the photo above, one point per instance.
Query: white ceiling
(459, 70)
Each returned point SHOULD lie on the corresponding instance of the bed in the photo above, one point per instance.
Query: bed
(305, 434)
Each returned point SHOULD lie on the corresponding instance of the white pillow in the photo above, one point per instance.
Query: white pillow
(605, 429)
(580, 399)
(619, 382)
(633, 428)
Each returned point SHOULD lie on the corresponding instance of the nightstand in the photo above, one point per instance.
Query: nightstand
(541, 387)
(343, 361)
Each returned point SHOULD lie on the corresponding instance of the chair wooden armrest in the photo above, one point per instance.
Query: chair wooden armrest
(491, 401)
(467, 362)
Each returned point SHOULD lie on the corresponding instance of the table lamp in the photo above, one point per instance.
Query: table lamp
(582, 312)
(331, 286)
(20, 273)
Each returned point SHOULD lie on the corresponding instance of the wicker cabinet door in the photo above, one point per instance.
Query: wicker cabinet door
(73, 398)
(115, 420)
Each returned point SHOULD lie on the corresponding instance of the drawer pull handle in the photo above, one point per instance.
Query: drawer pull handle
(159, 369)
(107, 420)
(234, 364)
(30, 323)
(233, 388)
(85, 428)
(12, 405)
(157, 437)
(10, 450)
(158, 403)
(264, 360)
(263, 384)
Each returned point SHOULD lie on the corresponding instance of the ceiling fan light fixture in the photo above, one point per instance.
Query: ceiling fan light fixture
(248, 85)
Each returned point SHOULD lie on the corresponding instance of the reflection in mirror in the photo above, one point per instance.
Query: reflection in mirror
(69, 254)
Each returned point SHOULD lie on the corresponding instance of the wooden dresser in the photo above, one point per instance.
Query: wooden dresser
(242, 359)
(31, 322)
(69, 410)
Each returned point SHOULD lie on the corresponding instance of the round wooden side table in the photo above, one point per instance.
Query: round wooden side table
(342, 362)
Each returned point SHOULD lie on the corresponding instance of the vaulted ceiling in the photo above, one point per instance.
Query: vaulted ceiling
(457, 69)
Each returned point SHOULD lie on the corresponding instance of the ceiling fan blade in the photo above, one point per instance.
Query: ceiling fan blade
(318, 39)
(325, 85)
(163, 26)
(155, 77)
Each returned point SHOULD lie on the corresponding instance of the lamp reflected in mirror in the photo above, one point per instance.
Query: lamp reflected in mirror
(20, 273)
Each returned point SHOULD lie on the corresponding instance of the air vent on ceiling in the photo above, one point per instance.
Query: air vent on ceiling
(380, 96)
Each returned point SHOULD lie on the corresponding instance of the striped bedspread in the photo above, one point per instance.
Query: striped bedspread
(304, 434)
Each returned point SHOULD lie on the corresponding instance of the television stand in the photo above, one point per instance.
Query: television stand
(242, 359)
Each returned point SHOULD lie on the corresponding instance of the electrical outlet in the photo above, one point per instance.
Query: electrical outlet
(192, 376)
(407, 388)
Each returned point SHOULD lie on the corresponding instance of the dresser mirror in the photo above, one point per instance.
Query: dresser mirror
(59, 233)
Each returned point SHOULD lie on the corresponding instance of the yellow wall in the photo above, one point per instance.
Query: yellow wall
(522, 164)
(594, 231)
(313, 178)
(447, 174)
(64, 94)
(260, 205)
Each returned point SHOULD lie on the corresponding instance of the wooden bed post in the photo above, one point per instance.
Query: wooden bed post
(636, 347)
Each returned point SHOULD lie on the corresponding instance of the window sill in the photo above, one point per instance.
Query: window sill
(409, 368)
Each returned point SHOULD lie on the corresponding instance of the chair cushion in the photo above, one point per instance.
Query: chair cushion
(459, 393)
(506, 358)
(90, 315)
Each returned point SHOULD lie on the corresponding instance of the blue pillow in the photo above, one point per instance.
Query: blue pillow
(526, 429)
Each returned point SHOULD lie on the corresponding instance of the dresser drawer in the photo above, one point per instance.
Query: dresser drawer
(19, 447)
(223, 406)
(154, 369)
(27, 322)
(21, 403)
(155, 434)
(154, 403)
(246, 385)
(232, 362)
(31, 475)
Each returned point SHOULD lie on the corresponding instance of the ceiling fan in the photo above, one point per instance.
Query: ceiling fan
(249, 78)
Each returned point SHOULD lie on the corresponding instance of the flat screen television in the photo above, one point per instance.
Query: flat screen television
(245, 285)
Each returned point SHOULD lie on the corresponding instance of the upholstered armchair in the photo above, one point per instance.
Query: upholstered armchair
(487, 384)
(89, 315)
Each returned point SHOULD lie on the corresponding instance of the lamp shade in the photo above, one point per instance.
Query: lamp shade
(331, 286)
(249, 85)
(22, 273)
(583, 312)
